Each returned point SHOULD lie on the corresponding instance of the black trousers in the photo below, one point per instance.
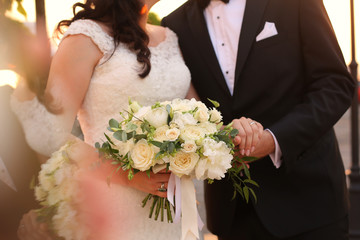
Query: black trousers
(249, 227)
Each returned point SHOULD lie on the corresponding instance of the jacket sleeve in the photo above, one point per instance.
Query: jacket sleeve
(329, 86)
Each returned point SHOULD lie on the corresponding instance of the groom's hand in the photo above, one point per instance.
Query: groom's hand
(265, 146)
(250, 134)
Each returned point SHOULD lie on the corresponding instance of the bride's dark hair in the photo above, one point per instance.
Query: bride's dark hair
(122, 17)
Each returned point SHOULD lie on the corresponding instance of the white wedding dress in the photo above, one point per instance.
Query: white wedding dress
(114, 81)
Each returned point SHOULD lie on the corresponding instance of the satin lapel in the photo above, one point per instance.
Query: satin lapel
(254, 11)
(198, 28)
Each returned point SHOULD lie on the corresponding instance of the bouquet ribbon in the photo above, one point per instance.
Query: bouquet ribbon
(185, 206)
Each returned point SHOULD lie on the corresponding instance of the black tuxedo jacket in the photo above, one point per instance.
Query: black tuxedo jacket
(297, 85)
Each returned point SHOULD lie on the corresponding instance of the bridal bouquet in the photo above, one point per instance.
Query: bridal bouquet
(182, 136)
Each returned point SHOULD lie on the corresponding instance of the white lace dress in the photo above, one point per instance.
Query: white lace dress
(114, 81)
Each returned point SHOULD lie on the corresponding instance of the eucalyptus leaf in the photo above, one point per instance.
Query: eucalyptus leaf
(113, 123)
(234, 132)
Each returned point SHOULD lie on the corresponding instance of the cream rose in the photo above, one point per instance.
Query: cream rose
(183, 163)
(189, 146)
(142, 155)
(157, 117)
(172, 134)
(202, 115)
(160, 133)
(192, 133)
(215, 116)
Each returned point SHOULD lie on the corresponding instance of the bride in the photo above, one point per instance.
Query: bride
(107, 55)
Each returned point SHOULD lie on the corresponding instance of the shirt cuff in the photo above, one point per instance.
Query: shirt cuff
(275, 156)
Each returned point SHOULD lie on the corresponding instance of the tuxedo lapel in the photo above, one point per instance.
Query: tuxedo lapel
(254, 11)
(198, 28)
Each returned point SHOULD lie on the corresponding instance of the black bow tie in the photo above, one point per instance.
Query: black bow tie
(225, 1)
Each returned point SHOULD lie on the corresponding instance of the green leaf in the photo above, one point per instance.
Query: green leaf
(156, 143)
(251, 182)
(121, 135)
(138, 137)
(113, 123)
(234, 132)
(246, 193)
(171, 147)
(253, 194)
(215, 103)
(148, 172)
(246, 170)
(131, 127)
(107, 137)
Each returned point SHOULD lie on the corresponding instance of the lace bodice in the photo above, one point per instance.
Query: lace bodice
(116, 79)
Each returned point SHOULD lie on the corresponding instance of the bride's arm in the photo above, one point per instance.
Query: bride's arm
(192, 93)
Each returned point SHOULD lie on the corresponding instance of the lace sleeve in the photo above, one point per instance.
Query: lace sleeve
(43, 131)
(91, 29)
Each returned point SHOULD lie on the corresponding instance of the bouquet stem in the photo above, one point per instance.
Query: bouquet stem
(157, 206)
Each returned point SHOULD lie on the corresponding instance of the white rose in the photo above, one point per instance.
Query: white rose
(198, 104)
(189, 146)
(181, 105)
(157, 117)
(183, 163)
(208, 127)
(142, 112)
(202, 115)
(192, 133)
(160, 133)
(143, 155)
(182, 120)
(216, 160)
(172, 134)
(215, 116)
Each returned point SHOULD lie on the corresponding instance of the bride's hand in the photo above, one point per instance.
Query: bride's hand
(157, 183)
(31, 229)
(250, 133)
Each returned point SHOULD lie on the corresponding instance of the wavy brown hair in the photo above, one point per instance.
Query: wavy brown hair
(122, 17)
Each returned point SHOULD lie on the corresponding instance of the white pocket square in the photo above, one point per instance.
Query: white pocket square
(268, 31)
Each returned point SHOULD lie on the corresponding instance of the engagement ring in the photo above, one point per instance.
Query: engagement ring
(253, 122)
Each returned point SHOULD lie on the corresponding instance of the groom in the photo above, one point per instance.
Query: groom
(278, 62)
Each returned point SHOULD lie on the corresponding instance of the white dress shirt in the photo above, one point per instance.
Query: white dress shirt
(224, 23)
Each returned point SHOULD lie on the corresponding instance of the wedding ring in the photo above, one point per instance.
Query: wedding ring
(22, 227)
(253, 122)
(162, 188)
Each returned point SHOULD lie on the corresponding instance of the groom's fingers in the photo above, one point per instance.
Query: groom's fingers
(245, 122)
